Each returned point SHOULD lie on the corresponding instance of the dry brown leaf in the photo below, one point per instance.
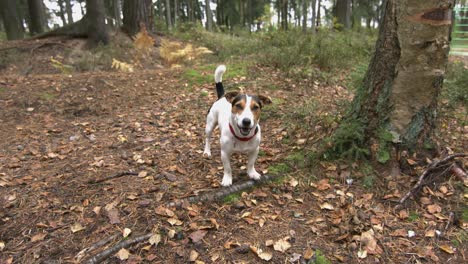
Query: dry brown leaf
(323, 185)
(197, 235)
(281, 245)
(448, 249)
(76, 227)
(261, 254)
(38, 237)
(370, 243)
(155, 239)
(327, 206)
(123, 254)
(174, 221)
(308, 254)
(434, 208)
(193, 255)
(126, 232)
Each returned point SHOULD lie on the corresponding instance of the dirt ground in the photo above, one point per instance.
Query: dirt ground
(61, 132)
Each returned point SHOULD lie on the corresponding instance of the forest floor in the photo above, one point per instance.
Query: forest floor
(61, 131)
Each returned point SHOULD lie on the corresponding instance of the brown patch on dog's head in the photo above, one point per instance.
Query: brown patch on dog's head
(238, 103)
(231, 95)
(264, 100)
(256, 107)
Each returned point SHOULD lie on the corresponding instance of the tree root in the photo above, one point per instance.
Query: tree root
(78, 29)
(113, 176)
(216, 195)
(98, 258)
(421, 181)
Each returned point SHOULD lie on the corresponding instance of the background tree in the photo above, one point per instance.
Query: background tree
(398, 99)
(11, 19)
(69, 10)
(96, 22)
(343, 13)
(136, 12)
(36, 14)
(209, 16)
(168, 14)
(61, 12)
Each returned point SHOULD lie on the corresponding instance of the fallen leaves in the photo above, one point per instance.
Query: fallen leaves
(261, 254)
(123, 254)
(76, 227)
(197, 235)
(38, 237)
(281, 245)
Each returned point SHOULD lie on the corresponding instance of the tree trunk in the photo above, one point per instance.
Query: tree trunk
(284, 15)
(209, 16)
(62, 11)
(11, 19)
(136, 12)
(68, 7)
(304, 15)
(343, 13)
(2, 28)
(168, 15)
(116, 7)
(97, 31)
(36, 14)
(396, 105)
(176, 12)
(313, 18)
(318, 17)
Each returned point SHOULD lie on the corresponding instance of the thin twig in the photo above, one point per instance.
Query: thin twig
(96, 245)
(98, 258)
(431, 167)
(449, 222)
(212, 196)
(113, 176)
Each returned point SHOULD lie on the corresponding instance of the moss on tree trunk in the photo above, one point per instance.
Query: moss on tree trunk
(397, 102)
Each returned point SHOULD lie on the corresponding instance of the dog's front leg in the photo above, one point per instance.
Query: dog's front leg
(253, 174)
(227, 177)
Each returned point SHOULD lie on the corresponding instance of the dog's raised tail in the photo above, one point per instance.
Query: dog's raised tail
(218, 76)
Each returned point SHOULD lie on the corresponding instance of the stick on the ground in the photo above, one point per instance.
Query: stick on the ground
(211, 196)
(98, 258)
(96, 245)
(431, 167)
(113, 176)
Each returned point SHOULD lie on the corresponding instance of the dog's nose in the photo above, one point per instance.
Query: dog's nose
(246, 122)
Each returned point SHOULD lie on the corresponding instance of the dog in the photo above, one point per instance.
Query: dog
(237, 116)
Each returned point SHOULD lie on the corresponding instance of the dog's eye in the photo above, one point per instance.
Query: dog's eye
(255, 107)
(238, 106)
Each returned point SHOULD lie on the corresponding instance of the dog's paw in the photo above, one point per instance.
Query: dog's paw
(254, 175)
(207, 154)
(227, 181)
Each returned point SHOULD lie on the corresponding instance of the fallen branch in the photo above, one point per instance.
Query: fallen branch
(98, 258)
(212, 196)
(98, 244)
(432, 167)
(113, 176)
(449, 222)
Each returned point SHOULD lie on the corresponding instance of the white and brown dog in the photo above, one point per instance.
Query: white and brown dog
(237, 116)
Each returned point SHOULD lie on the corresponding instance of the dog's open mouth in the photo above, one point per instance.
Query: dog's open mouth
(244, 130)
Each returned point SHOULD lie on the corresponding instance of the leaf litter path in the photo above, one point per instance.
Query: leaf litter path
(60, 132)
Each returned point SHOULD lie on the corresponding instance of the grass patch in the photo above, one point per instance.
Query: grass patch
(2, 89)
(47, 96)
(413, 216)
(232, 198)
(320, 258)
(280, 168)
(297, 158)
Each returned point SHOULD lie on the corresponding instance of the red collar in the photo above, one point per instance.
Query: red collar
(243, 138)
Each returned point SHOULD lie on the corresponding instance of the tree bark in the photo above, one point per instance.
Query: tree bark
(116, 6)
(136, 12)
(36, 14)
(313, 18)
(304, 15)
(318, 17)
(68, 7)
(176, 12)
(284, 15)
(62, 11)
(399, 93)
(11, 19)
(168, 15)
(97, 31)
(209, 16)
(343, 13)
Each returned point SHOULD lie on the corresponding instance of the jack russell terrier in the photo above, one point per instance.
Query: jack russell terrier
(237, 116)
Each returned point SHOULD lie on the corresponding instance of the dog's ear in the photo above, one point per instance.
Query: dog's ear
(264, 100)
(231, 95)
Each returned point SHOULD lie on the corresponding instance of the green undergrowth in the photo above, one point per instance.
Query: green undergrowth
(203, 74)
(279, 169)
(455, 88)
(296, 53)
(319, 258)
